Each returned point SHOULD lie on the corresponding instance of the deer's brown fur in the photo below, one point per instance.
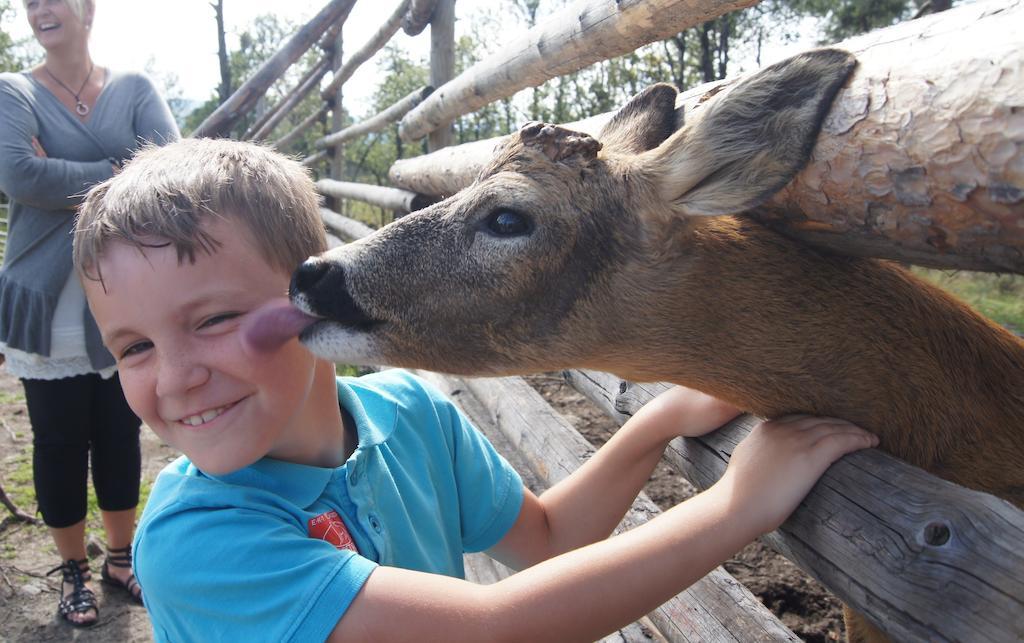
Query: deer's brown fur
(633, 262)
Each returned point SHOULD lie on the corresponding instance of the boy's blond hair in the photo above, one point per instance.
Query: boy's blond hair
(165, 193)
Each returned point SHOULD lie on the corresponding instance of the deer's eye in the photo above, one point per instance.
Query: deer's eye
(508, 223)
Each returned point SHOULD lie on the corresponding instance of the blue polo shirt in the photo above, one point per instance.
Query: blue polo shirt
(259, 554)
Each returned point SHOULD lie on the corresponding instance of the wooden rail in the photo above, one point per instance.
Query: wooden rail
(929, 560)
(378, 122)
(245, 97)
(372, 46)
(266, 124)
(393, 199)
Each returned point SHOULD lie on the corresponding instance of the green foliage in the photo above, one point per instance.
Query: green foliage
(846, 18)
(19, 482)
(12, 397)
(1000, 297)
(15, 55)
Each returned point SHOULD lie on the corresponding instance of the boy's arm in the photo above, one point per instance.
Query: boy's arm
(587, 505)
(591, 591)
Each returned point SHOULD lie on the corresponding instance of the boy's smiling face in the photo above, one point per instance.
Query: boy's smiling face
(175, 329)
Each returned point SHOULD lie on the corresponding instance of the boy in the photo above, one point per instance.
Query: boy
(308, 507)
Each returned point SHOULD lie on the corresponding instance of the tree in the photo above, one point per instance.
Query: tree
(224, 89)
(15, 55)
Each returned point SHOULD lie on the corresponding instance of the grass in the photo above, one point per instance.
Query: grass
(19, 486)
(1000, 297)
(18, 483)
(12, 397)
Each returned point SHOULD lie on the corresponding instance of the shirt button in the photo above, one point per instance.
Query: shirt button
(375, 523)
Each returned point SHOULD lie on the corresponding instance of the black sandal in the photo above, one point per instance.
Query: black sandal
(81, 599)
(121, 558)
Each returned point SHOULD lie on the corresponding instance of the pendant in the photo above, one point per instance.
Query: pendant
(81, 108)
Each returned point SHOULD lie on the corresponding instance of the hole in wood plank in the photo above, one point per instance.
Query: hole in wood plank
(936, 534)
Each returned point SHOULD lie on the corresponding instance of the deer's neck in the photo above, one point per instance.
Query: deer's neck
(776, 328)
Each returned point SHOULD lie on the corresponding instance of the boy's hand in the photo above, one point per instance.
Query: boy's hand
(682, 411)
(775, 466)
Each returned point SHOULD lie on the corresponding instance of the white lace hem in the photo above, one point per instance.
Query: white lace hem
(31, 366)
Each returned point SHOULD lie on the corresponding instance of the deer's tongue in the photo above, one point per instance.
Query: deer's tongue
(272, 324)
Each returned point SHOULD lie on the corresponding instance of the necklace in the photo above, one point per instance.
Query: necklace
(80, 107)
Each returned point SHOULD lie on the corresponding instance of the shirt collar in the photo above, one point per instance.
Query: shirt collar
(299, 484)
(375, 414)
(374, 411)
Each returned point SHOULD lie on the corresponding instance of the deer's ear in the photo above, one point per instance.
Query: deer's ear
(747, 143)
(643, 123)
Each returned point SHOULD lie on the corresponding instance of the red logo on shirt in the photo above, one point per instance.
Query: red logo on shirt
(330, 527)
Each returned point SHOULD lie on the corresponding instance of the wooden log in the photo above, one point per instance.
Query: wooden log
(336, 101)
(346, 228)
(311, 79)
(245, 97)
(418, 16)
(378, 122)
(297, 131)
(923, 558)
(379, 39)
(442, 64)
(569, 40)
(16, 511)
(313, 159)
(921, 159)
(259, 130)
(333, 241)
(510, 412)
(384, 197)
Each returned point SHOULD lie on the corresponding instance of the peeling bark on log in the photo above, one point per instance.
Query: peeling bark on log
(921, 159)
(923, 558)
(379, 39)
(378, 122)
(575, 37)
(245, 97)
(418, 16)
(388, 198)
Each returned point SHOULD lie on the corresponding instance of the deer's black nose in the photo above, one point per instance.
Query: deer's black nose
(323, 287)
(310, 273)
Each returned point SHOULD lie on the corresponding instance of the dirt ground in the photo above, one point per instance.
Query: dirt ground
(28, 597)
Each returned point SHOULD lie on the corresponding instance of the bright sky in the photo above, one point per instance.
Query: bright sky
(180, 37)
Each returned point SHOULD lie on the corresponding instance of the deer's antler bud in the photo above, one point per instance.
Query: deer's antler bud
(559, 143)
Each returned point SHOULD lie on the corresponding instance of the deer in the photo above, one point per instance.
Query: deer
(635, 253)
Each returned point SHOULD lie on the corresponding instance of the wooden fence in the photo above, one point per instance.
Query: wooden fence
(920, 161)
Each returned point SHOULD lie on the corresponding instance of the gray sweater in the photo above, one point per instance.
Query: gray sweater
(45, 191)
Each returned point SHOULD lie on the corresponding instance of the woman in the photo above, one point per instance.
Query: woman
(65, 125)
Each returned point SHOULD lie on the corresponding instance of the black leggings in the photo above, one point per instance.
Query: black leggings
(71, 417)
